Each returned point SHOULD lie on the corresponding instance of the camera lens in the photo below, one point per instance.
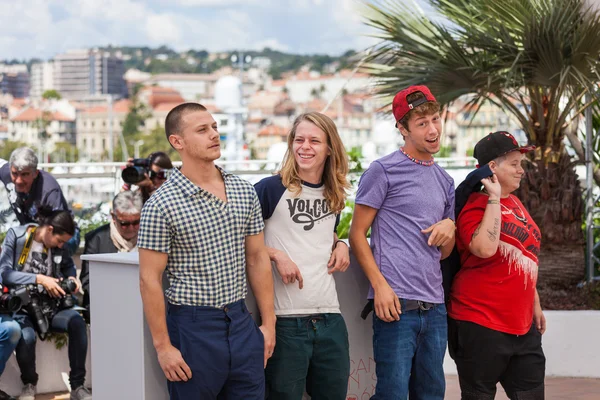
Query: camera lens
(133, 175)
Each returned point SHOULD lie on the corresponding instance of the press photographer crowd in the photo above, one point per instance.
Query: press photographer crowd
(40, 291)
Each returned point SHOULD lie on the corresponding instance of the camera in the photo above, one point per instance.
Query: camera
(69, 286)
(9, 303)
(137, 172)
(41, 307)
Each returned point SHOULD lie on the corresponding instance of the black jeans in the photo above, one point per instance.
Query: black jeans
(485, 357)
(68, 321)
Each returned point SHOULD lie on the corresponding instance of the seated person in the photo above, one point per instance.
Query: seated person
(10, 333)
(31, 256)
(120, 235)
(160, 164)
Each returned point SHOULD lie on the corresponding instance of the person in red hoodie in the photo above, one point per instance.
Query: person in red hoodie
(496, 321)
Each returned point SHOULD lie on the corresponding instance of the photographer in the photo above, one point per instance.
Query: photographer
(32, 260)
(147, 173)
(30, 189)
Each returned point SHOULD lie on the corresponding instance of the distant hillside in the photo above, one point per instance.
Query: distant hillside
(164, 59)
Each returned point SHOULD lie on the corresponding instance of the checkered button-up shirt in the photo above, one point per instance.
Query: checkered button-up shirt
(203, 236)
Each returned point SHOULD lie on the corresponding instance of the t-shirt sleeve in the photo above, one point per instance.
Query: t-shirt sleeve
(450, 203)
(155, 230)
(470, 218)
(269, 191)
(255, 221)
(373, 186)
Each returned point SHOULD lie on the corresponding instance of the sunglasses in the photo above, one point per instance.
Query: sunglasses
(125, 224)
(162, 174)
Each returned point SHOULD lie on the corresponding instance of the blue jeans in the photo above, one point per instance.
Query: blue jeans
(69, 321)
(10, 333)
(409, 355)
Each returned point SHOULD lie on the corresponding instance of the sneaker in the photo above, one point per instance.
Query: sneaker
(81, 393)
(5, 396)
(28, 392)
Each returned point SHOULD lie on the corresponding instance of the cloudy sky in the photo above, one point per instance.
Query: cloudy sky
(44, 28)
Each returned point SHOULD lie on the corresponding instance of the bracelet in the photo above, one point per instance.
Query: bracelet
(493, 201)
(339, 241)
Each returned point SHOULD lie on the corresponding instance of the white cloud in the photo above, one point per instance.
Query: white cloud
(163, 29)
(44, 28)
(271, 43)
(213, 3)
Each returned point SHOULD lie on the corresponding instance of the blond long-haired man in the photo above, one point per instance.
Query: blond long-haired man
(301, 207)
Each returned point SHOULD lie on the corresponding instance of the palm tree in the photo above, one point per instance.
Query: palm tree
(536, 59)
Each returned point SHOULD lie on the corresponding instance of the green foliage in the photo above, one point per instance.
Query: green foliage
(64, 152)
(60, 339)
(138, 114)
(343, 228)
(51, 94)
(535, 59)
(155, 140)
(445, 151)
(8, 146)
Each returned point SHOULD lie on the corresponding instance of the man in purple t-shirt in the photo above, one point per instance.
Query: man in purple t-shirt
(408, 201)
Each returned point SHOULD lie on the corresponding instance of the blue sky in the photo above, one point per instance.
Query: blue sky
(44, 28)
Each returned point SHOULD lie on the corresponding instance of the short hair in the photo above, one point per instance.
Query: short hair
(173, 120)
(428, 108)
(161, 159)
(128, 202)
(22, 158)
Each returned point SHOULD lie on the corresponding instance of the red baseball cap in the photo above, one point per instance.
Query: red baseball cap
(401, 107)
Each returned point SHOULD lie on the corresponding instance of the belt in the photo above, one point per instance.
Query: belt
(406, 305)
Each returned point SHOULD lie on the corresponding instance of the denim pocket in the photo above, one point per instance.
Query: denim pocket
(441, 309)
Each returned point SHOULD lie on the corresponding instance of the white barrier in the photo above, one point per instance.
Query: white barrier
(52, 368)
(123, 347)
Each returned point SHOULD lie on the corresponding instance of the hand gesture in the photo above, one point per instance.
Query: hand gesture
(340, 258)
(288, 269)
(387, 304)
(442, 233)
(172, 363)
(492, 186)
(538, 318)
(269, 336)
(77, 283)
(50, 284)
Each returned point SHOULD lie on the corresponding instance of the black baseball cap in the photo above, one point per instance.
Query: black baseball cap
(497, 144)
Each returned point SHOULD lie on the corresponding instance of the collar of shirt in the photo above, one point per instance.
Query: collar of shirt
(187, 186)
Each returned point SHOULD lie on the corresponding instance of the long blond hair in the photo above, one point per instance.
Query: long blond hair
(336, 165)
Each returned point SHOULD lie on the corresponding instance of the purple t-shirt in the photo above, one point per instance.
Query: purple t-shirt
(409, 197)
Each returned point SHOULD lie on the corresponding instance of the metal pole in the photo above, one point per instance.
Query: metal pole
(589, 180)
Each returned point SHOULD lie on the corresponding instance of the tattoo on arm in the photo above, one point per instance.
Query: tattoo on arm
(476, 232)
(493, 234)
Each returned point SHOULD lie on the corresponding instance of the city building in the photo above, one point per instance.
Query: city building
(42, 79)
(192, 87)
(93, 125)
(81, 73)
(267, 137)
(42, 128)
(14, 80)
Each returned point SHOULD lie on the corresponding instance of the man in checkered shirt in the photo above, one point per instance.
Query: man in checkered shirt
(205, 227)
